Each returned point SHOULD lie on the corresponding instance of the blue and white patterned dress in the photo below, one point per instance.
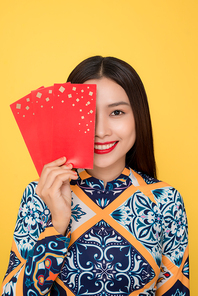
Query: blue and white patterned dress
(129, 238)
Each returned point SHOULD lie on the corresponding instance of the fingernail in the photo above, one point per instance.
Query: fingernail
(69, 165)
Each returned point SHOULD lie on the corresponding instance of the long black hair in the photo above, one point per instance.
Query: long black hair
(141, 156)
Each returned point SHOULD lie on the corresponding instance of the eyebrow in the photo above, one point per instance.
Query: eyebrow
(118, 104)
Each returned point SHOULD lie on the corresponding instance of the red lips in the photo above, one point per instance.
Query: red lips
(102, 148)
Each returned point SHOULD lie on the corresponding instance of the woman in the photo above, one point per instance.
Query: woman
(112, 230)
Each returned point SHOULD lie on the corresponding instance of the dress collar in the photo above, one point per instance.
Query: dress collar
(126, 178)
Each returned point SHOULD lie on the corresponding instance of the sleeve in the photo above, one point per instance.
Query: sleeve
(174, 272)
(38, 250)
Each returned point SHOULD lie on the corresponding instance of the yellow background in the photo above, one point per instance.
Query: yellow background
(40, 43)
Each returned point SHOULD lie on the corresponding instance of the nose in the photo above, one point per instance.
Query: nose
(102, 126)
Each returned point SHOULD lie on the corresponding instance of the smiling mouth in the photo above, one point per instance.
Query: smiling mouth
(102, 148)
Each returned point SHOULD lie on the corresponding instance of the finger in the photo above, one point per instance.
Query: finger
(60, 188)
(67, 166)
(48, 168)
(58, 162)
(63, 179)
(59, 174)
(44, 177)
(55, 165)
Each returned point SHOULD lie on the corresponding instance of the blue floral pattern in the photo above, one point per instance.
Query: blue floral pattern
(185, 269)
(10, 288)
(31, 221)
(175, 238)
(76, 211)
(102, 262)
(143, 219)
(94, 188)
(44, 264)
(147, 179)
(179, 293)
(146, 221)
(178, 289)
(13, 263)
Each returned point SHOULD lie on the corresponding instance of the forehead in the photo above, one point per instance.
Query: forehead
(108, 91)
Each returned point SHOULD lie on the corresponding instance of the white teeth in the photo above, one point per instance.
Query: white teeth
(104, 147)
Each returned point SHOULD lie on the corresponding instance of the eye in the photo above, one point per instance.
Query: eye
(117, 113)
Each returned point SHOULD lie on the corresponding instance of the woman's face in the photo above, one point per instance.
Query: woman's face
(115, 125)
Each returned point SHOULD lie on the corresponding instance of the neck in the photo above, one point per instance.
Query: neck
(106, 174)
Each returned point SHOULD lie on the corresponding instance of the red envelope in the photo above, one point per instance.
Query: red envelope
(24, 115)
(43, 101)
(74, 123)
(58, 121)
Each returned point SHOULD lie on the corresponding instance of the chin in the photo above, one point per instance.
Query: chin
(107, 163)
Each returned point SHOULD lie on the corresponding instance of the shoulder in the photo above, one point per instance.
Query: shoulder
(160, 190)
(147, 179)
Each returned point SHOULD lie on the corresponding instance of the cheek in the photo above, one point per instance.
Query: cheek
(126, 130)
(130, 137)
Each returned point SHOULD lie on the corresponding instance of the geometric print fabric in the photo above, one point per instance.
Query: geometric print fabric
(125, 237)
(102, 262)
(146, 221)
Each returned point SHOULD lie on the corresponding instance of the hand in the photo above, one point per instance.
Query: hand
(54, 189)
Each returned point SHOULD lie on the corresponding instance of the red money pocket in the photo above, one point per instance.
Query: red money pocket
(74, 123)
(23, 112)
(43, 111)
(58, 121)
